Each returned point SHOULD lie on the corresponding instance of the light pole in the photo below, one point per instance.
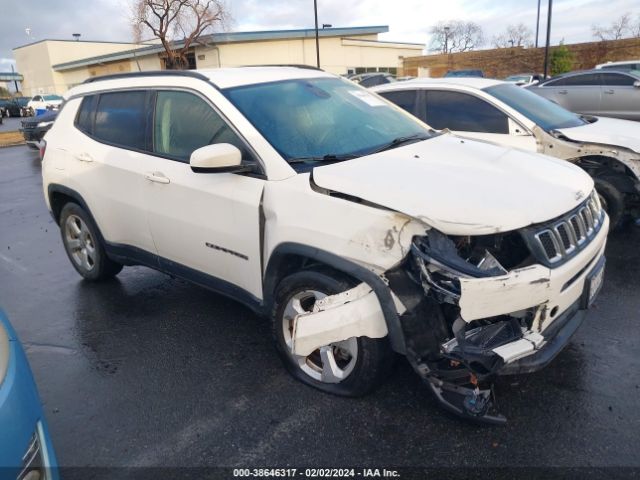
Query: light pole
(446, 39)
(315, 10)
(546, 47)
(15, 81)
(538, 23)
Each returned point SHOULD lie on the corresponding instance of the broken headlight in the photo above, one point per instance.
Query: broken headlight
(441, 260)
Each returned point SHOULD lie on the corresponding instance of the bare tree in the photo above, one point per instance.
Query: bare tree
(514, 36)
(456, 36)
(173, 20)
(635, 28)
(618, 29)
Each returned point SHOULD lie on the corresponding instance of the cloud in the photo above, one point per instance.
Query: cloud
(409, 20)
(59, 19)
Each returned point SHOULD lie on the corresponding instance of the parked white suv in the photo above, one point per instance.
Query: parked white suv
(355, 227)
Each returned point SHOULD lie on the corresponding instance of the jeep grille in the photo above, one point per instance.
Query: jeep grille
(561, 239)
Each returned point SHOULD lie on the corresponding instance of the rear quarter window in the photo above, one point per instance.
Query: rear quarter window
(86, 114)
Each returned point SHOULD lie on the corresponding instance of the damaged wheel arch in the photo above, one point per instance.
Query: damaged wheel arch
(276, 270)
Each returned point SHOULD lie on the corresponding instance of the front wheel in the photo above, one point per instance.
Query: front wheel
(612, 200)
(83, 245)
(351, 367)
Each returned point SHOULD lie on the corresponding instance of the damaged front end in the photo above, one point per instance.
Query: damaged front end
(478, 307)
(465, 309)
(455, 357)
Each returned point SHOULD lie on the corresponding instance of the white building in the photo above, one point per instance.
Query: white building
(53, 66)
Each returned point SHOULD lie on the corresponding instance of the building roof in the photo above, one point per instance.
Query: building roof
(226, 77)
(73, 41)
(228, 37)
(10, 76)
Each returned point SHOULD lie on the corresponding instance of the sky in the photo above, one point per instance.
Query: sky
(408, 20)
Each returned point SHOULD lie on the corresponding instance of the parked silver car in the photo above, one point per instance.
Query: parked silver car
(605, 93)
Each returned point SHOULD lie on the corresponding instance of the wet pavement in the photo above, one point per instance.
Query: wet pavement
(146, 370)
(10, 124)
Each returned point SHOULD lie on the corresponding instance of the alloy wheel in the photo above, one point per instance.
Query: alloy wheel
(80, 243)
(330, 363)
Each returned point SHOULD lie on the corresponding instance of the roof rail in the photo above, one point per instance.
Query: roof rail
(291, 65)
(152, 73)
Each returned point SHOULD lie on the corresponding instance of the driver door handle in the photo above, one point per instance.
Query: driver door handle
(157, 177)
(562, 92)
(610, 92)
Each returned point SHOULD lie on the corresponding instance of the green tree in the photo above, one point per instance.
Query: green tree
(4, 92)
(561, 60)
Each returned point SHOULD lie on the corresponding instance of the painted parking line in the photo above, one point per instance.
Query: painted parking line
(13, 263)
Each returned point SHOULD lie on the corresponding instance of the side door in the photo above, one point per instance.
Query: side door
(107, 158)
(205, 226)
(474, 117)
(620, 99)
(581, 93)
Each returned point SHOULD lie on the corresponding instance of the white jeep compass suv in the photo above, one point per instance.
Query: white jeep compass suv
(358, 229)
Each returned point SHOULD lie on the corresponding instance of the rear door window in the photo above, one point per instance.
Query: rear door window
(465, 113)
(120, 119)
(184, 122)
(406, 99)
(586, 80)
(617, 80)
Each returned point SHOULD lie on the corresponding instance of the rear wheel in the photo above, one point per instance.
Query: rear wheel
(83, 245)
(350, 367)
(612, 201)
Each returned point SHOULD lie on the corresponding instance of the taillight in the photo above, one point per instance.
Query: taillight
(43, 148)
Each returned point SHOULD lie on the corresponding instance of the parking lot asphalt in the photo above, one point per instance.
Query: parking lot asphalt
(10, 124)
(146, 370)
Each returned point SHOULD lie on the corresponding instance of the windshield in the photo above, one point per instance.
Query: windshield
(545, 113)
(464, 73)
(518, 78)
(323, 117)
(52, 97)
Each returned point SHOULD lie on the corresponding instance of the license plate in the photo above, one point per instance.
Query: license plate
(595, 284)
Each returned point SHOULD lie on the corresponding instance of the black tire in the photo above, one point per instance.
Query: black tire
(374, 358)
(97, 266)
(612, 201)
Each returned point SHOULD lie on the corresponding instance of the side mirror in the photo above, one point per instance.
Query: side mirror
(519, 83)
(636, 84)
(217, 158)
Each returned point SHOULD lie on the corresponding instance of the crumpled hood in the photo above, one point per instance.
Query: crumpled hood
(462, 187)
(607, 131)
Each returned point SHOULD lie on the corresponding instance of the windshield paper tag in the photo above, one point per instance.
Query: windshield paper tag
(367, 98)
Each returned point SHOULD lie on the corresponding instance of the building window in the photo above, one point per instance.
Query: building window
(191, 62)
(359, 70)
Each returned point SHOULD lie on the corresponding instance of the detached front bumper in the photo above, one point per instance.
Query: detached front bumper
(556, 340)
